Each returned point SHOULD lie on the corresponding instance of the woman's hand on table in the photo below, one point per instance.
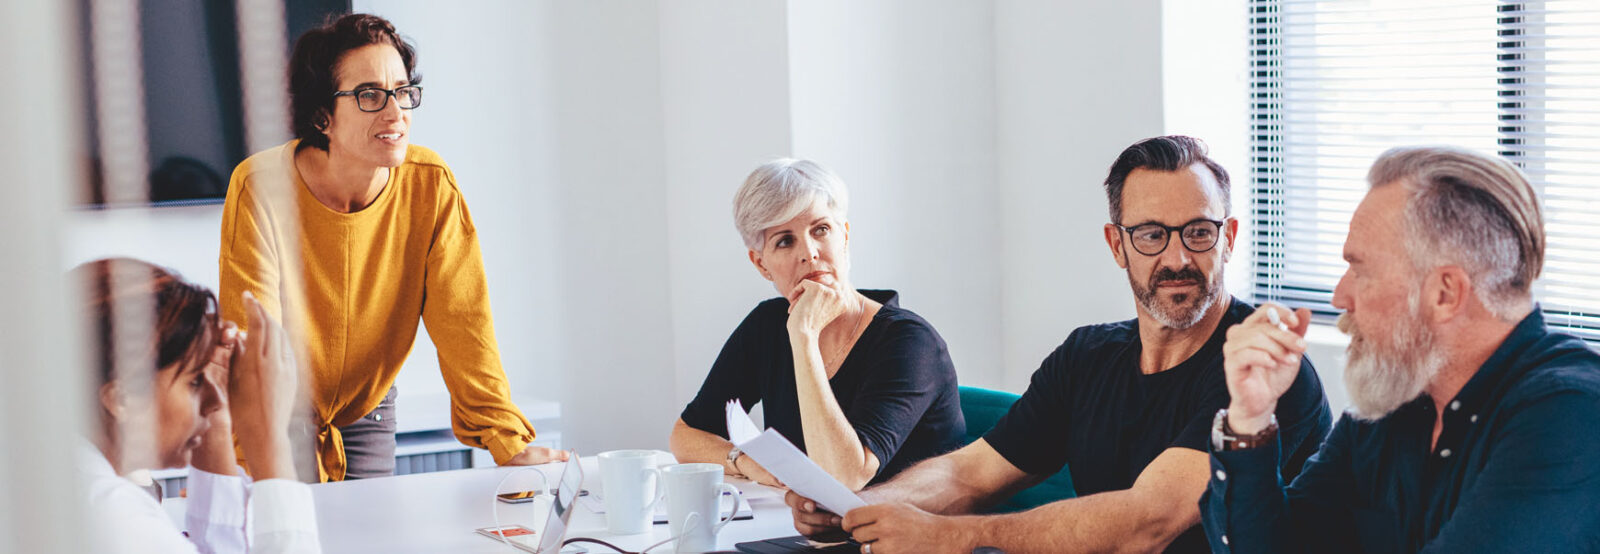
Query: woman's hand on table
(535, 455)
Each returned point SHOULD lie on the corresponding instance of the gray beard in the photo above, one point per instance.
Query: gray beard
(1382, 377)
(1181, 314)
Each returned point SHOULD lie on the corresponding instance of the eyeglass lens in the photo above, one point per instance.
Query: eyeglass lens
(372, 99)
(1151, 239)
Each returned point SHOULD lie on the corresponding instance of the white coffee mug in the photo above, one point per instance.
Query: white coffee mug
(694, 504)
(632, 487)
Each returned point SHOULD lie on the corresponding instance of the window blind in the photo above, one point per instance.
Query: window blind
(1334, 83)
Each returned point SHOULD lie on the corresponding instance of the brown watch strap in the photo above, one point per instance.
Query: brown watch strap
(1234, 441)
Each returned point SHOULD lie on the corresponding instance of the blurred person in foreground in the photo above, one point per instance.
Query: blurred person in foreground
(207, 385)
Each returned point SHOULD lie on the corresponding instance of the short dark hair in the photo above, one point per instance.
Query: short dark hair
(185, 326)
(312, 67)
(1168, 153)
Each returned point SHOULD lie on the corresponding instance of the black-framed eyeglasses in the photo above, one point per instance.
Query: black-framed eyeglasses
(1151, 239)
(372, 99)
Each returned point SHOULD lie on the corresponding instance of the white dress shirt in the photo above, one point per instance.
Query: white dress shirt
(276, 515)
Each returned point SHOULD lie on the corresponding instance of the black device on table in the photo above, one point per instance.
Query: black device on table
(797, 543)
(788, 545)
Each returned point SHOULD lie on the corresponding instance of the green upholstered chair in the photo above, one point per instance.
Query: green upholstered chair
(983, 408)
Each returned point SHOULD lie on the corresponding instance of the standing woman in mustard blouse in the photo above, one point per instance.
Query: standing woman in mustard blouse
(383, 238)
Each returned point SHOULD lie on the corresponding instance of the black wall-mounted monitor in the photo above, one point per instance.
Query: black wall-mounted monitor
(194, 113)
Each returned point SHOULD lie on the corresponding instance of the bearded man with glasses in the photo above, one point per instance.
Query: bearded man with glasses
(382, 236)
(1127, 407)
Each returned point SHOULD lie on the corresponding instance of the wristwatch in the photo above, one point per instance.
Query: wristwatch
(1223, 439)
(733, 455)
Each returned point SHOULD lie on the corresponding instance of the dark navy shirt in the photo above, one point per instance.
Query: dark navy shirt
(897, 386)
(1090, 408)
(1516, 468)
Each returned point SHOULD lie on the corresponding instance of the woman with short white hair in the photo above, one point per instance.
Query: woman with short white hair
(866, 388)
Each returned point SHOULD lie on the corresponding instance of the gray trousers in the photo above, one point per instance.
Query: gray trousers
(369, 442)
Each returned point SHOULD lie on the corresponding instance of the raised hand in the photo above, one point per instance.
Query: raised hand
(813, 305)
(261, 394)
(1262, 357)
(215, 453)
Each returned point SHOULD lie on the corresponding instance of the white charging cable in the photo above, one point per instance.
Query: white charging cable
(688, 525)
(544, 488)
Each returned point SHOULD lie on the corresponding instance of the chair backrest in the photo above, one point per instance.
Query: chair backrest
(982, 409)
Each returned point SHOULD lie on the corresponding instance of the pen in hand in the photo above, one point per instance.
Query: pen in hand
(1272, 315)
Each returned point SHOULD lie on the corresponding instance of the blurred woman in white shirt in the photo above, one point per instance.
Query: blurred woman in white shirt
(175, 393)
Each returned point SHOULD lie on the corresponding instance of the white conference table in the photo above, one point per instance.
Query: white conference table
(440, 512)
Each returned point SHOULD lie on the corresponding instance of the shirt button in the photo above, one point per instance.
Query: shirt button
(1473, 419)
(1444, 453)
(1455, 405)
(1224, 540)
(1221, 476)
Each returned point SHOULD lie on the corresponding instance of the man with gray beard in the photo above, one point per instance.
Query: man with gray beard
(1125, 406)
(1473, 428)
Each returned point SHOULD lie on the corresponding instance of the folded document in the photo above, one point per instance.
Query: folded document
(791, 466)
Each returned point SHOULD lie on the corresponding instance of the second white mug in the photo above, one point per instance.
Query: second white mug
(694, 504)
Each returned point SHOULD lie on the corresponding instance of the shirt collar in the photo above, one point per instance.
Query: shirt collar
(1500, 367)
(889, 298)
(93, 462)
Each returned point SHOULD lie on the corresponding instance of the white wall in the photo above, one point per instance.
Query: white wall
(1205, 88)
(616, 254)
(725, 110)
(898, 98)
(1077, 82)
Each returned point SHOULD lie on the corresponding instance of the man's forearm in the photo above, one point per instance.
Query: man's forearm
(1117, 521)
(936, 485)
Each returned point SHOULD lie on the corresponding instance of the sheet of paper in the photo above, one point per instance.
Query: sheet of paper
(740, 427)
(798, 472)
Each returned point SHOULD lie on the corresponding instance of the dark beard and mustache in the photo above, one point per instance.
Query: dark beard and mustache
(1184, 310)
(1382, 376)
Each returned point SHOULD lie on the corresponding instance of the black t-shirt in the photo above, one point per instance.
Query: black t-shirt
(1091, 408)
(897, 386)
